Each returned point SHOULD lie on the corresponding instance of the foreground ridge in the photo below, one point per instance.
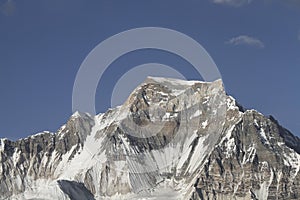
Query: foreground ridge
(171, 139)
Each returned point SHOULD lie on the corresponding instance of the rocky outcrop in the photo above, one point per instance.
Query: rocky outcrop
(38, 155)
(252, 162)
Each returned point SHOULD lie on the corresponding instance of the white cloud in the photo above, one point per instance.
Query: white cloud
(246, 40)
(235, 3)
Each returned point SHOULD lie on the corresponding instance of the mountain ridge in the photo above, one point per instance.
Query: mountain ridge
(203, 146)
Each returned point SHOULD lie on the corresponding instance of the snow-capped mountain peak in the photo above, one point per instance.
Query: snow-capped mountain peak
(171, 139)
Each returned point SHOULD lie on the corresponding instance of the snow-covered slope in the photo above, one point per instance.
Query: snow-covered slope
(171, 139)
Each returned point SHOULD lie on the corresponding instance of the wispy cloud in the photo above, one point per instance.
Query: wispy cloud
(235, 3)
(246, 40)
(8, 8)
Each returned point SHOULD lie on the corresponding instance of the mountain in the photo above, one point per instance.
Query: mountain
(171, 139)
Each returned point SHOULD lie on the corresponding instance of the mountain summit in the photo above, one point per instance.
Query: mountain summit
(171, 139)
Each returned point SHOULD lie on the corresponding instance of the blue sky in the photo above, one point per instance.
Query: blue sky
(256, 45)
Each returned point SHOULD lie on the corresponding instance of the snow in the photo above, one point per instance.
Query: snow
(186, 151)
(44, 162)
(63, 127)
(161, 193)
(76, 114)
(198, 155)
(61, 132)
(176, 86)
(66, 168)
(231, 104)
(264, 165)
(256, 123)
(262, 133)
(263, 191)
(250, 154)
(166, 116)
(16, 157)
(39, 134)
(292, 159)
(196, 114)
(42, 189)
(264, 136)
(125, 143)
(18, 181)
(2, 144)
(280, 143)
(230, 147)
(204, 124)
(88, 156)
(162, 159)
(206, 100)
(239, 183)
(229, 132)
(174, 81)
(177, 92)
(255, 111)
(62, 135)
(183, 158)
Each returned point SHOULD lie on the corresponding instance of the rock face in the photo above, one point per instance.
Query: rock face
(171, 139)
